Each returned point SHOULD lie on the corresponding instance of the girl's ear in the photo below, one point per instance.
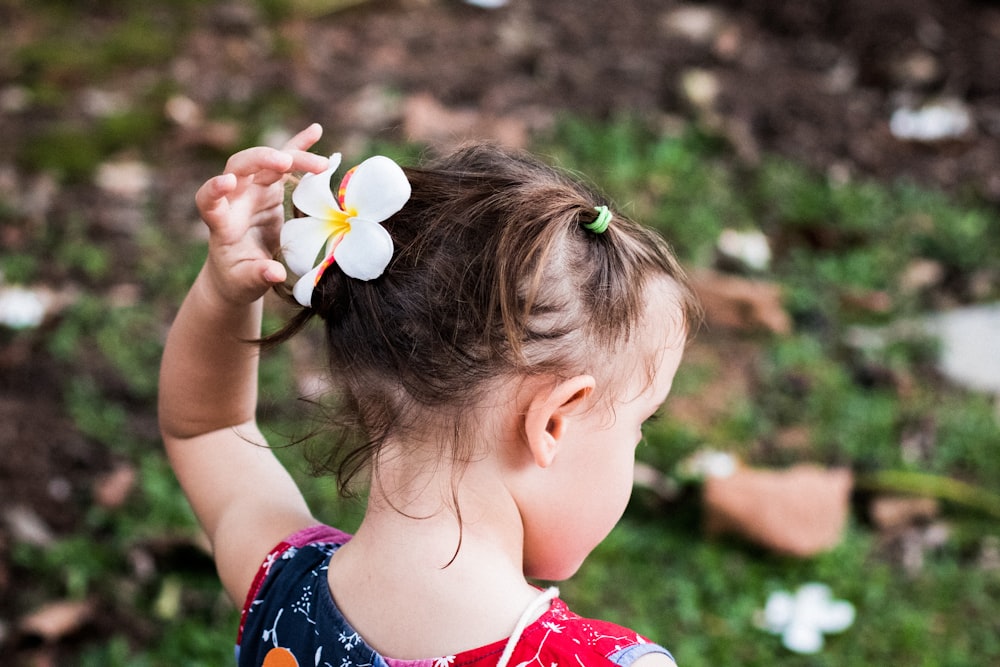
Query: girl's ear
(549, 412)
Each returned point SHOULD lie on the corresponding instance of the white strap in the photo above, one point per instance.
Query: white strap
(527, 617)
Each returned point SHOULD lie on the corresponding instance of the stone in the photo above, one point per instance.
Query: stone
(970, 345)
(800, 511)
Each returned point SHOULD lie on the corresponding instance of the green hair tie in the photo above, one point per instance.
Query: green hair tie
(601, 222)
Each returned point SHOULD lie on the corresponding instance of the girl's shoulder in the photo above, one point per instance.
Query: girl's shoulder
(561, 636)
(302, 553)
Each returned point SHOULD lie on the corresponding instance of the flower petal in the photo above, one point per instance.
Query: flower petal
(365, 251)
(313, 195)
(779, 612)
(837, 617)
(301, 241)
(303, 289)
(377, 189)
(802, 638)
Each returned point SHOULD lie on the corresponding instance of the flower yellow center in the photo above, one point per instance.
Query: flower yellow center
(338, 222)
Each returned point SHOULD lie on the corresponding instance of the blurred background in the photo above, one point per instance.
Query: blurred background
(827, 170)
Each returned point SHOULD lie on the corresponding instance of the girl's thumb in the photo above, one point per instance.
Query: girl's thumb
(274, 272)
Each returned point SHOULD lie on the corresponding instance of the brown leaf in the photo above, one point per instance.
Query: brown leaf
(739, 303)
(891, 513)
(55, 620)
(112, 489)
(427, 120)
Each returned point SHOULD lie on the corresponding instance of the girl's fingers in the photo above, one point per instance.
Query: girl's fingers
(311, 162)
(211, 197)
(260, 160)
(251, 161)
(305, 139)
(258, 166)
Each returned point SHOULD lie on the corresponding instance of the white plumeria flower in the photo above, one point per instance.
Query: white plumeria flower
(346, 223)
(802, 619)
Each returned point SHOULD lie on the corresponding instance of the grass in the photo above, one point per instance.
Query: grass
(656, 572)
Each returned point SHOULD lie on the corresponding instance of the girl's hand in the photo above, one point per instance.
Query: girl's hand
(244, 211)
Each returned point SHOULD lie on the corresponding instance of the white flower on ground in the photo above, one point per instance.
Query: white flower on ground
(750, 248)
(22, 308)
(708, 463)
(347, 223)
(802, 618)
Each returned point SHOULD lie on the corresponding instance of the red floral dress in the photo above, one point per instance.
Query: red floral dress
(290, 620)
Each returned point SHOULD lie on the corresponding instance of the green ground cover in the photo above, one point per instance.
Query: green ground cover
(657, 571)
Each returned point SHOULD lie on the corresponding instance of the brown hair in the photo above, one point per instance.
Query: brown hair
(493, 276)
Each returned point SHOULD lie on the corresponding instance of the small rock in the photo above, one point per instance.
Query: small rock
(947, 119)
(801, 511)
(184, 111)
(918, 68)
(970, 340)
(27, 527)
(14, 99)
(60, 489)
(103, 103)
(921, 274)
(699, 24)
(700, 88)
(129, 179)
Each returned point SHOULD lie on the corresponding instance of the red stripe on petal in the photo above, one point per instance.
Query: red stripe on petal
(323, 266)
(343, 187)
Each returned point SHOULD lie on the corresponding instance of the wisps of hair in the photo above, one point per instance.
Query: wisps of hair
(493, 276)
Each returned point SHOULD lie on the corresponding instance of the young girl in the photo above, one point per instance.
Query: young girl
(496, 336)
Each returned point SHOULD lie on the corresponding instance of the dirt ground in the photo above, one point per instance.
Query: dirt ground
(814, 80)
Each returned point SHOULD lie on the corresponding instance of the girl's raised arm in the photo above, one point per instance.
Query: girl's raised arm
(243, 497)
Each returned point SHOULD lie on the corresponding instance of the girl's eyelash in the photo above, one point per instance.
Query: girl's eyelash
(653, 417)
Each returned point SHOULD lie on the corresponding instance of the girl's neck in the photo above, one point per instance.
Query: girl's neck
(411, 566)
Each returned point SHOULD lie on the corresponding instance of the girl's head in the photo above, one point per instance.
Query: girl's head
(494, 279)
